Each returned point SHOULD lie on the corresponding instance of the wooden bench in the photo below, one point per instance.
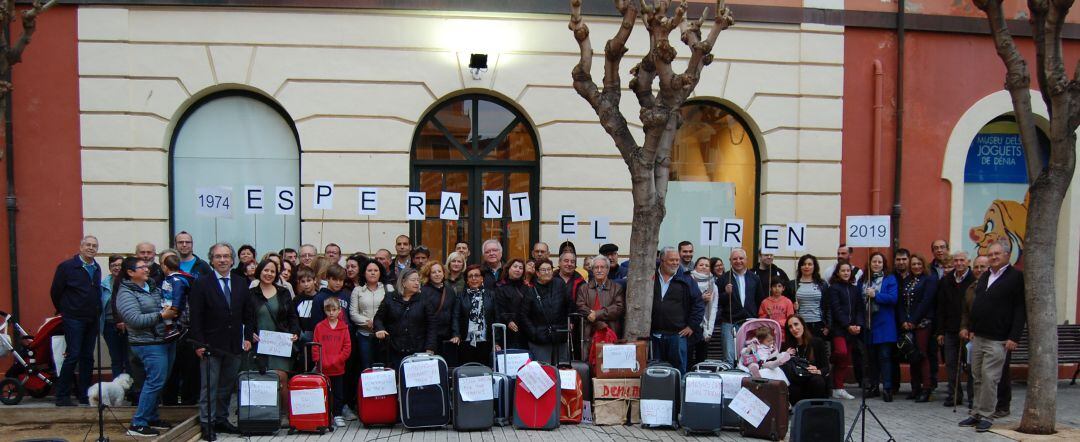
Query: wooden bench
(1068, 348)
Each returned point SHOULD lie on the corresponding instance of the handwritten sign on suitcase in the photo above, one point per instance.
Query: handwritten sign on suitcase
(378, 383)
(258, 393)
(568, 379)
(476, 388)
(620, 356)
(309, 401)
(535, 379)
(749, 407)
(421, 373)
(704, 390)
(656, 411)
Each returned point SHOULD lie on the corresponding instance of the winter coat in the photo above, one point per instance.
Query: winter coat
(365, 302)
(612, 305)
(140, 309)
(847, 308)
(729, 307)
(950, 301)
(177, 288)
(76, 293)
(679, 308)
(442, 304)
(286, 320)
(336, 346)
(464, 309)
(509, 300)
(916, 304)
(546, 310)
(410, 323)
(883, 321)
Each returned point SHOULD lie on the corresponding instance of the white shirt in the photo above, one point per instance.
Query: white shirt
(740, 281)
(995, 275)
(664, 284)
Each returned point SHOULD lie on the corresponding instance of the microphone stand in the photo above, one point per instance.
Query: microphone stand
(101, 399)
(864, 408)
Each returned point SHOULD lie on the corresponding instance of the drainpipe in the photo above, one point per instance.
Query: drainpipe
(879, 118)
(9, 162)
(898, 172)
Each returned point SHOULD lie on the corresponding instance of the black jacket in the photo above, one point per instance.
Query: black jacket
(491, 277)
(680, 307)
(509, 301)
(464, 309)
(286, 321)
(777, 274)
(216, 323)
(950, 302)
(847, 307)
(998, 312)
(918, 303)
(201, 268)
(444, 313)
(410, 323)
(546, 310)
(730, 308)
(76, 293)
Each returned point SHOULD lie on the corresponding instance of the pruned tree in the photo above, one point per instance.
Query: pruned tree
(11, 53)
(1048, 185)
(650, 161)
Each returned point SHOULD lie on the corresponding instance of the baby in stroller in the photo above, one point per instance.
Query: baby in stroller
(761, 352)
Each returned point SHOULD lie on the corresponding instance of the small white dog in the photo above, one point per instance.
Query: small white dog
(112, 393)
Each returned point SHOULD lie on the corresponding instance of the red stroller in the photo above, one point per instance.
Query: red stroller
(33, 372)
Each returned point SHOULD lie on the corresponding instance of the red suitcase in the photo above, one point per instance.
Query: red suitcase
(572, 398)
(309, 398)
(532, 413)
(378, 410)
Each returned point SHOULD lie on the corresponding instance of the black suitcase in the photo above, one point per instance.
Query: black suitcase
(475, 414)
(504, 387)
(425, 406)
(712, 365)
(729, 419)
(774, 394)
(661, 381)
(702, 410)
(256, 414)
(818, 420)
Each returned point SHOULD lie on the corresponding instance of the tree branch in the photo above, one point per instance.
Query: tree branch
(1039, 10)
(29, 24)
(701, 51)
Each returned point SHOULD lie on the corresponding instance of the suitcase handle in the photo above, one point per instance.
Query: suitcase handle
(494, 353)
(310, 347)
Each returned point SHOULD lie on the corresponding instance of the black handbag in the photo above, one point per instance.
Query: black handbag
(906, 348)
(800, 366)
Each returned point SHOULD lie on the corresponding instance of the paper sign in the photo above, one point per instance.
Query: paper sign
(253, 200)
(59, 347)
(749, 407)
(493, 204)
(309, 401)
(770, 238)
(284, 200)
(367, 201)
(274, 343)
(214, 202)
(378, 383)
(450, 206)
(567, 225)
(415, 206)
(476, 388)
(732, 385)
(520, 209)
(733, 233)
(796, 237)
(534, 378)
(324, 195)
(258, 393)
(509, 364)
(867, 231)
(600, 228)
(655, 412)
(620, 356)
(568, 379)
(710, 231)
(704, 390)
(421, 373)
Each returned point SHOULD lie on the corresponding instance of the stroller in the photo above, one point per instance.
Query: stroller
(33, 372)
(745, 333)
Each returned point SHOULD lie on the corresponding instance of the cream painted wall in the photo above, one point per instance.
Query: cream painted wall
(356, 83)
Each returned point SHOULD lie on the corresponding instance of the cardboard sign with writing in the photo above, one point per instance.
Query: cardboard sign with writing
(536, 380)
(616, 388)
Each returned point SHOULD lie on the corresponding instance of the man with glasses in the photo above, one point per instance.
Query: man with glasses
(333, 253)
(76, 294)
(147, 252)
(185, 246)
(493, 255)
(540, 251)
(308, 252)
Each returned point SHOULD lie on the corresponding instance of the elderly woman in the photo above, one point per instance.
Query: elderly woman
(475, 316)
(602, 302)
(404, 321)
(544, 316)
(139, 304)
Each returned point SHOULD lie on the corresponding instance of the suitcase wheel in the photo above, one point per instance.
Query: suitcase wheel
(292, 430)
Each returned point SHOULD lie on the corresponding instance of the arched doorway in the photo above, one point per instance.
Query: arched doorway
(470, 144)
(235, 139)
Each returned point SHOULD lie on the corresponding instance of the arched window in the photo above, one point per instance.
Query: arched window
(235, 139)
(714, 173)
(995, 187)
(469, 144)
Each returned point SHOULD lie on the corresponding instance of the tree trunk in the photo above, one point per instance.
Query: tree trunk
(644, 237)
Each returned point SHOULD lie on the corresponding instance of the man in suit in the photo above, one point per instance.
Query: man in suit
(220, 311)
(997, 321)
(739, 301)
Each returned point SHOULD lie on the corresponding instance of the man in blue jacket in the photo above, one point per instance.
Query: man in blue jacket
(740, 295)
(677, 311)
(76, 294)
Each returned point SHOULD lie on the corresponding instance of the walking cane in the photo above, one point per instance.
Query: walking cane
(956, 384)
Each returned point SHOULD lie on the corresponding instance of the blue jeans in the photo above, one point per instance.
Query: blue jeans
(670, 348)
(727, 335)
(881, 365)
(80, 336)
(366, 347)
(157, 360)
(118, 348)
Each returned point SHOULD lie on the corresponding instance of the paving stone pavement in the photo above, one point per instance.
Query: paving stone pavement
(905, 419)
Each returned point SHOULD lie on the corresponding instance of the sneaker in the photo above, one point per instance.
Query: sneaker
(348, 414)
(160, 425)
(998, 414)
(983, 425)
(971, 421)
(844, 394)
(142, 431)
(339, 421)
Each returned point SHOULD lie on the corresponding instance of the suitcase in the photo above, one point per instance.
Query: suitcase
(575, 393)
(729, 419)
(532, 413)
(774, 394)
(641, 349)
(377, 410)
(258, 413)
(504, 361)
(309, 398)
(476, 413)
(428, 405)
(504, 399)
(817, 420)
(662, 382)
(703, 405)
(712, 365)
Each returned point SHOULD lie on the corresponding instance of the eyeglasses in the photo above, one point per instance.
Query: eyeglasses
(221, 257)
(544, 270)
(474, 275)
(141, 267)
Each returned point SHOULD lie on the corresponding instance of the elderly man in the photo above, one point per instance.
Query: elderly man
(541, 251)
(997, 321)
(569, 275)
(940, 249)
(76, 294)
(189, 262)
(222, 318)
(492, 262)
(617, 272)
(950, 302)
(738, 300)
(147, 252)
(332, 252)
(307, 255)
(677, 311)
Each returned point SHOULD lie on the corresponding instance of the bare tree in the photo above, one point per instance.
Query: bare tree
(649, 162)
(1048, 185)
(11, 54)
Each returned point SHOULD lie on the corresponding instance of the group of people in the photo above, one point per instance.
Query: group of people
(184, 327)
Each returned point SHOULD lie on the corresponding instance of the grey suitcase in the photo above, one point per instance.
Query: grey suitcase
(255, 415)
(729, 419)
(701, 417)
(472, 415)
(662, 382)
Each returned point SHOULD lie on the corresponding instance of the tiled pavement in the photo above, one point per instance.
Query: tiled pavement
(906, 421)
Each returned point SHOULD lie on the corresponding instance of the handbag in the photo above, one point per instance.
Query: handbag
(600, 336)
(905, 346)
(800, 366)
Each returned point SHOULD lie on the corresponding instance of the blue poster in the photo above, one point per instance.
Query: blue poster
(996, 158)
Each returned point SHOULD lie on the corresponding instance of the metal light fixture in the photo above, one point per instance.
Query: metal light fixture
(477, 65)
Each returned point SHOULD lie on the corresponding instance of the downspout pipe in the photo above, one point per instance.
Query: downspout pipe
(898, 166)
(879, 119)
(9, 200)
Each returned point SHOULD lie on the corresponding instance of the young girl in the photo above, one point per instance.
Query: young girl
(777, 306)
(762, 357)
(333, 334)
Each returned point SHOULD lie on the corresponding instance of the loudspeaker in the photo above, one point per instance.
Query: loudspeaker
(818, 420)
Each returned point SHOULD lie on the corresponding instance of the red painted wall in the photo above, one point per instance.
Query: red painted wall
(47, 164)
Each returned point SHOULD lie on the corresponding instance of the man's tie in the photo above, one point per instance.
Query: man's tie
(228, 292)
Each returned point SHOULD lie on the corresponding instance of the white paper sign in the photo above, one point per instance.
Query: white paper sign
(600, 229)
(867, 231)
(656, 412)
(213, 202)
(795, 234)
(732, 385)
(567, 225)
(379, 383)
(450, 206)
(309, 401)
(421, 373)
(710, 231)
(367, 201)
(704, 390)
(59, 347)
(254, 202)
(733, 233)
(258, 393)
(770, 239)
(568, 379)
(749, 407)
(274, 343)
(509, 364)
(415, 206)
(534, 378)
(620, 356)
(520, 208)
(493, 204)
(476, 388)
(285, 200)
(324, 195)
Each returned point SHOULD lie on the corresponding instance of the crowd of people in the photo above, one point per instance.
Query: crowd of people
(183, 327)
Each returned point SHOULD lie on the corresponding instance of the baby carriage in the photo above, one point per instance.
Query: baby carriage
(746, 333)
(33, 372)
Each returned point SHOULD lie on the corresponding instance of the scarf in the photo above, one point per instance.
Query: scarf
(477, 324)
(703, 280)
